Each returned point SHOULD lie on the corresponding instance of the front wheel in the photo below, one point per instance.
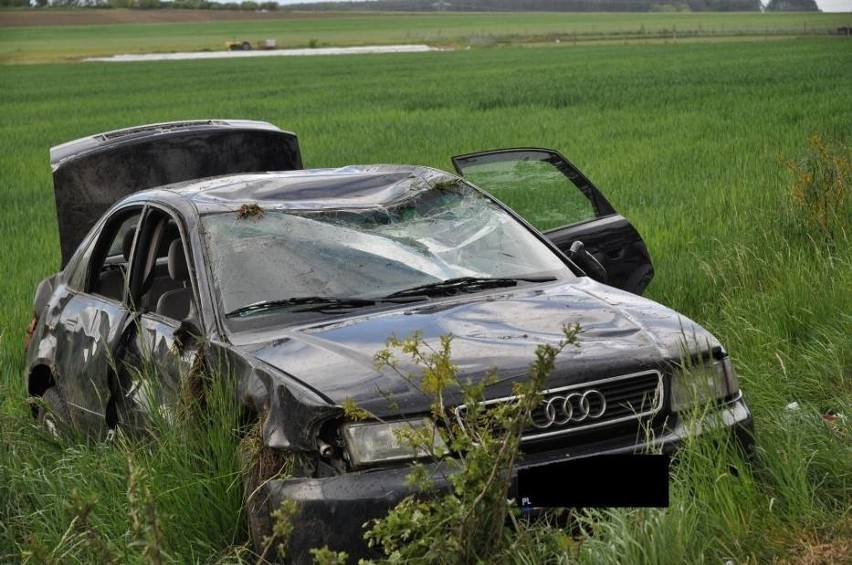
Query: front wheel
(53, 416)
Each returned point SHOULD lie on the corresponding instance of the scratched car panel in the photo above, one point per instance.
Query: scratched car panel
(206, 244)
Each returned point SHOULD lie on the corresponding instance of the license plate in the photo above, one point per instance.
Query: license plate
(596, 482)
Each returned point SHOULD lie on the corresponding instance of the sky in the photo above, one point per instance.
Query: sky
(835, 5)
(824, 5)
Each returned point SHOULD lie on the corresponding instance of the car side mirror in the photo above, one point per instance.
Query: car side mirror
(586, 261)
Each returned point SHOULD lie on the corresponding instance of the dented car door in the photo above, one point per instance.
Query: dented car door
(91, 319)
(162, 348)
(567, 207)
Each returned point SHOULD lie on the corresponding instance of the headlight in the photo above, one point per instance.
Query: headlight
(370, 443)
(702, 384)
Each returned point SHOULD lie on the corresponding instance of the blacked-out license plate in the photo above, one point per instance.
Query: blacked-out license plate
(595, 482)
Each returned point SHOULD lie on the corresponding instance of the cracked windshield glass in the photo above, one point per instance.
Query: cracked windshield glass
(438, 234)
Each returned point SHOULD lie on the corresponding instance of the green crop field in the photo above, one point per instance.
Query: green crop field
(690, 140)
(45, 43)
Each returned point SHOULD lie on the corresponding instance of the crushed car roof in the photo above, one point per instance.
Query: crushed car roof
(355, 186)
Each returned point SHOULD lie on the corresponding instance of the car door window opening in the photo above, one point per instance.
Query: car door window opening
(109, 265)
(161, 268)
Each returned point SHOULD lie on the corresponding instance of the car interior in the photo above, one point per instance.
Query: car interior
(165, 287)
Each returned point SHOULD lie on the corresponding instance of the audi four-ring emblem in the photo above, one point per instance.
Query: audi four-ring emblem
(575, 407)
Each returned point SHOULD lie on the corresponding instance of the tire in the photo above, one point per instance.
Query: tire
(53, 416)
(246, 46)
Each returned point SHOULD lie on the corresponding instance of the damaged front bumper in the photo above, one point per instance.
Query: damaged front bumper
(333, 511)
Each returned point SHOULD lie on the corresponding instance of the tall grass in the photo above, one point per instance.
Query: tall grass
(174, 494)
(688, 141)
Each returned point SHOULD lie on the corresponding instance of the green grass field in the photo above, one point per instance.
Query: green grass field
(686, 139)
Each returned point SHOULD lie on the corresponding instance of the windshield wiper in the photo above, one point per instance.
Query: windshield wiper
(301, 304)
(464, 284)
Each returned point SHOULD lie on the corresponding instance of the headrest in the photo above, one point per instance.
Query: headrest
(178, 270)
(170, 233)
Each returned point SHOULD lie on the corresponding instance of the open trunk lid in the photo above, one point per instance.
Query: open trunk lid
(92, 173)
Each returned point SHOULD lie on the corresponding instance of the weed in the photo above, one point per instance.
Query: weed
(282, 527)
(252, 211)
(469, 523)
(145, 524)
(81, 536)
(820, 191)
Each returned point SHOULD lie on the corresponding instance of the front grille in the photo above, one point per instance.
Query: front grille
(592, 405)
(596, 404)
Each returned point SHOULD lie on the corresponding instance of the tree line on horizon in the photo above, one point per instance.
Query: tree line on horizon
(445, 5)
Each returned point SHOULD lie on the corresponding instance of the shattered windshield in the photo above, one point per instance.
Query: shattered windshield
(351, 257)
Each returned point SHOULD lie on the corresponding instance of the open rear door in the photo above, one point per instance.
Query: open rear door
(552, 194)
(91, 174)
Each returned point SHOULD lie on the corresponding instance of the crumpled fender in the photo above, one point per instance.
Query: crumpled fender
(43, 292)
(293, 411)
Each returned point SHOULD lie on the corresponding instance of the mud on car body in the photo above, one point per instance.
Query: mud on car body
(208, 241)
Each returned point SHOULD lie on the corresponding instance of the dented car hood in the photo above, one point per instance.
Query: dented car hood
(498, 330)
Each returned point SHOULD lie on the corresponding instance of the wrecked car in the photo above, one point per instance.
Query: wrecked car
(209, 239)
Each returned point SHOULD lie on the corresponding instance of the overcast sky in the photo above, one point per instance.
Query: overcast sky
(825, 5)
(835, 5)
